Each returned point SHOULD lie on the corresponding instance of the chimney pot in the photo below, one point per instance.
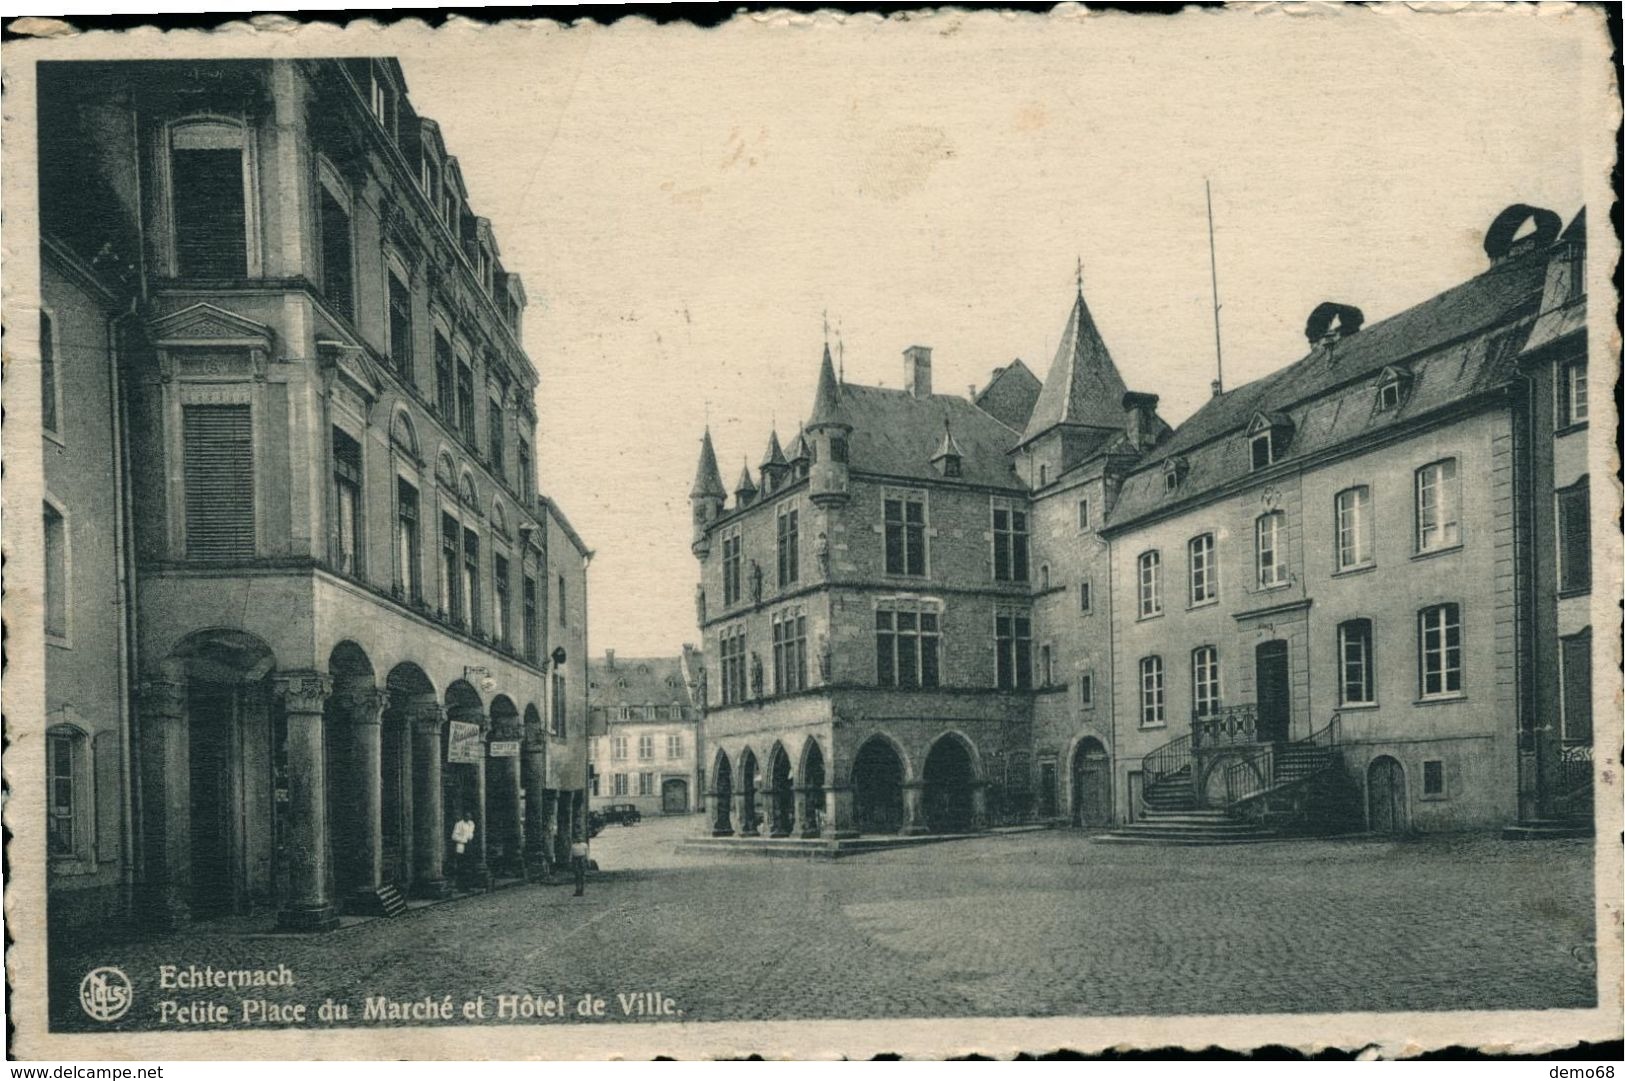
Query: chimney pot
(917, 370)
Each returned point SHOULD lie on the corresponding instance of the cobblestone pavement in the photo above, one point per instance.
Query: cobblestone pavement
(1029, 924)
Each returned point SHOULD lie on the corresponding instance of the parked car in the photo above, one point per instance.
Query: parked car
(626, 814)
(595, 824)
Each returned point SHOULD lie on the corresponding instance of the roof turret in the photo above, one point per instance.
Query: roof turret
(707, 478)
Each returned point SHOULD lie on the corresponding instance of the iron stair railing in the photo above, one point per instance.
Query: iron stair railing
(1171, 758)
(1575, 783)
(1274, 768)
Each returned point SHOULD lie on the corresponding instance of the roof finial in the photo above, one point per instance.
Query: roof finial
(826, 326)
(1080, 275)
(840, 354)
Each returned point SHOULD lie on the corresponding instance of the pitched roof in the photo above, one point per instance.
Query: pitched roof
(744, 483)
(896, 434)
(949, 447)
(1011, 394)
(707, 478)
(637, 681)
(775, 453)
(827, 402)
(1457, 343)
(1083, 386)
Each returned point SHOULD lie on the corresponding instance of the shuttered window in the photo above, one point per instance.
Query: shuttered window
(218, 443)
(210, 225)
(337, 277)
(1574, 537)
(1576, 661)
(400, 326)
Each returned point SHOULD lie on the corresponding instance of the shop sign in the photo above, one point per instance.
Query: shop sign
(504, 748)
(463, 743)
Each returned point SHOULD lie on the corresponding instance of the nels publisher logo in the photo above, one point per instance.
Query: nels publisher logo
(105, 994)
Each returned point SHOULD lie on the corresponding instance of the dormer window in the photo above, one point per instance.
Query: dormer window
(1263, 450)
(1267, 438)
(950, 467)
(1393, 386)
(1173, 474)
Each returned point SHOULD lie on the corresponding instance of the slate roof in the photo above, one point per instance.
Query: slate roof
(708, 478)
(1083, 386)
(637, 681)
(1011, 394)
(1460, 342)
(896, 434)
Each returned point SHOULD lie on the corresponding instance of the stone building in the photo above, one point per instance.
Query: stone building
(297, 429)
(1104, 616)
(644, 744)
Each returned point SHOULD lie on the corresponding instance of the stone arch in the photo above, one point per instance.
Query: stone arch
(468, 491)
(781, 780)
(353, 768)
(404, 434)
(878, 774)
(1089, 772)
(950, 778)
(499, 517)
(1387, 797)
(409, 782)
(464, 775)
(445, 468)
(504, 802)
(722, 790)
(811, 778)
(746, 784)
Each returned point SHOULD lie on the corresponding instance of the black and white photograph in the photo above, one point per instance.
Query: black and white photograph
(814, 534)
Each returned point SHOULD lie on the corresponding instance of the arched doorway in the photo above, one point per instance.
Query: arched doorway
(749, 818)
(346, 733)
(404, 774)
(722, 777)
(464, 782)
(877, 787)
(950, 781)
(781, 793)
(812, 789)
(674, 796)
(237, 776)
(504, 828)
(1091, 778)
(1387, 808)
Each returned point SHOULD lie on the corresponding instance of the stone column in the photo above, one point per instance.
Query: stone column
(743, 827)
(538, 854)
(309, 904)
(567, 825)
(366, 713)
(428, 723)
(914, 821)
(775, 812)
(978, 805)
(840, 813)
(720, 812)
(810, 806)
(167, 798)
(477, 873)
(513, 820)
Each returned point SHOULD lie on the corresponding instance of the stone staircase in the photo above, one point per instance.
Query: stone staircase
(1172, 817)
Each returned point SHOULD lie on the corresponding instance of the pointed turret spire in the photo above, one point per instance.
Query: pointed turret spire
(827, 402)
(1084, 387)
(744, 488)
(708, 478)
(775, 454)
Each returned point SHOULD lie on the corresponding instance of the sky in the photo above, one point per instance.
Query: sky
(687, 207)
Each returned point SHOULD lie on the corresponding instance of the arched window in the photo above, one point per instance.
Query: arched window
(1354, 541)
(403, 434)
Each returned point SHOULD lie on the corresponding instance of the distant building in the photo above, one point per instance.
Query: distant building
(934, 613)
(301, 586)
(645, 738)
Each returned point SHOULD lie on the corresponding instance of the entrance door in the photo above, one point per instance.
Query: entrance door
(1046, 790)
(1386, 806)
(211, 716)
(1274, 692)
(674, 796)
(1089, 786)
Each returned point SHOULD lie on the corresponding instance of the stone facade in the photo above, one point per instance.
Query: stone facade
(645, 741)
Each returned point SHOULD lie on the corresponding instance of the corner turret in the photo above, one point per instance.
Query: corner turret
(830, 435)
(775, 467)
(706, 497)
(744, 488)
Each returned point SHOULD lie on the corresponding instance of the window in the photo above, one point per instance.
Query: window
(1356, 677)
(837, 449)
(1086, 690)
(1086, 600)
(400, 325)
(1013, 632)
(1354, 547)
(1571, 393)
(1439, 637)
(532, 647)
(382, 101)
(1270, 532)
(49, 419)
(789, 525)
(620, 784)
(593, 784)
(731, 647)
(338, 273)
(1574, 537)
(451, 594)
(503, 596)
(617, 748)
(64, 747)
(1576, 256)
(494, 433)
(1204, 570)
(445, 386)
(218, 455)
(471, 577)
(1438, 497)
(1046, 666)
(1263, 449)
(674, 745)
(1009, 543)
(522, 481)
(1575, 674)
(1043, 475)
(1043, 576)
(1205, 680)
(905, 534)
(1392, 385)
(208, 201)
(1433, 778)
(1150, 584)
(790, 651)
(1151, 692)
(465, 401)
(408, 540)
(1083, 514)
(646, 747)
(908, 644)
(732, 568)
(56, 573)
(346, 503)
(564, 616)
(560, 727)
(429, 178)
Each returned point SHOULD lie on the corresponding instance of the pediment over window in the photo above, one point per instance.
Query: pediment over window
(1393, 386)
(206, 324)
(351, 365)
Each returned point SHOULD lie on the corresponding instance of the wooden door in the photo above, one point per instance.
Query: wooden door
(1274, 683)
(1387, 807)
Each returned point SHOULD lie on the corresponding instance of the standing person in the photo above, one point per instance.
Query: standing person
(462, 834)
(578, 860)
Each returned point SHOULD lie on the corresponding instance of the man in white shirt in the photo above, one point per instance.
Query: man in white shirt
(578, 860)
(462, 835)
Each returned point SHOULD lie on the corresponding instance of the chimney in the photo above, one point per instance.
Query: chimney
(1331, 321)
(1141, 409)
(917, 370)
(972, 392)
(609, 658)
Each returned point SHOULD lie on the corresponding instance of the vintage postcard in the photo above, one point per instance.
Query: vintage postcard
(814, 535)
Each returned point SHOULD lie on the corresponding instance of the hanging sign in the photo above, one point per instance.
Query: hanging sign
(463, 743)
(504, 748)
